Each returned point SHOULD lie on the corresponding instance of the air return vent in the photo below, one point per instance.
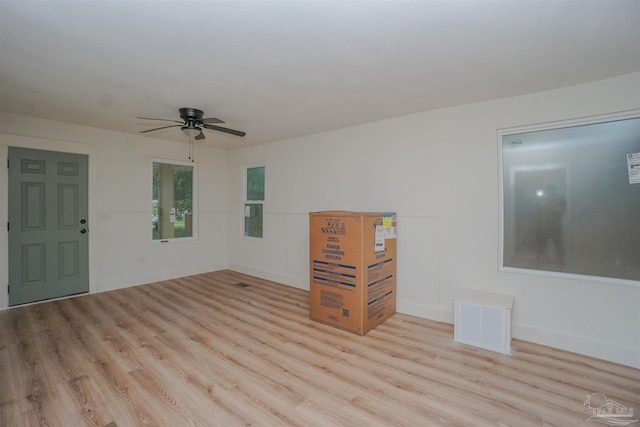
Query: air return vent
(241, 285)
(483, 319)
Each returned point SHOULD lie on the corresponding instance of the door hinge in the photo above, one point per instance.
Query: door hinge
(8, 289)
(7, 226)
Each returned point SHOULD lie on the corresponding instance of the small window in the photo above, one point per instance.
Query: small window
(172, 208)
(254, 201)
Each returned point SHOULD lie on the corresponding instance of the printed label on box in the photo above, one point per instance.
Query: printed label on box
(331, 299)
(332, 274)
(379, 242)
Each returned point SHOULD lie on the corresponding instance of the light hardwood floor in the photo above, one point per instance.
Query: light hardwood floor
(226, 349)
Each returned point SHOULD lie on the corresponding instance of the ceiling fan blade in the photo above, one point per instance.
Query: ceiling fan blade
(164, 120)
(163, 127)
(199, 136)
(226, 130)
(211, 120)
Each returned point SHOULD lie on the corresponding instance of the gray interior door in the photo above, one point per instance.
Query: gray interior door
(48, 229)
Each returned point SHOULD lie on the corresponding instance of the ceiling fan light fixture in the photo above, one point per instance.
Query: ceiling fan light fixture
(191, 131)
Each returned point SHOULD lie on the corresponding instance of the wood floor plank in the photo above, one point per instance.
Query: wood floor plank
(228, 349)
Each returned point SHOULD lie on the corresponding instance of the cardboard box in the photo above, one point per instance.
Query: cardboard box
(352, 268)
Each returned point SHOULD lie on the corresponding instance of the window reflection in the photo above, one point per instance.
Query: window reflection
(569, 204)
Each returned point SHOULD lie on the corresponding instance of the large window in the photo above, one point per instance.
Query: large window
(254, 201)
(173, 207)
(571, 197)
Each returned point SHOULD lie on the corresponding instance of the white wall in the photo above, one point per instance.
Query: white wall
(439, 171)
(121, 250)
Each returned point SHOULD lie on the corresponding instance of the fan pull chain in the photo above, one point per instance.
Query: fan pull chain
(191, 142)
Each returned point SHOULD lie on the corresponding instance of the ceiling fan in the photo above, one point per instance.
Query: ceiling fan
(193, 122)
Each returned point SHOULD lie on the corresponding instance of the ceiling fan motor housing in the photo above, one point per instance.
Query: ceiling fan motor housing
(191, 115)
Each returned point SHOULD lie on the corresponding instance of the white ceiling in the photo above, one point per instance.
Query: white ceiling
(279, 69)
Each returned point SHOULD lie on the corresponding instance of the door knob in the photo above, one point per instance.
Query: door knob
(84, 230)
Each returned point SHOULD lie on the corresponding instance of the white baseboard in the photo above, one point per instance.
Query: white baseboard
(595, 348)
(628, 356)
(157, 276)
(419, 310)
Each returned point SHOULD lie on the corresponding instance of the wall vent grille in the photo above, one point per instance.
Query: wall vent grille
(483, 319)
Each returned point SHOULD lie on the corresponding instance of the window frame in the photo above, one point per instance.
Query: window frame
(246, 201)
(599, 119)
(194, 200)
